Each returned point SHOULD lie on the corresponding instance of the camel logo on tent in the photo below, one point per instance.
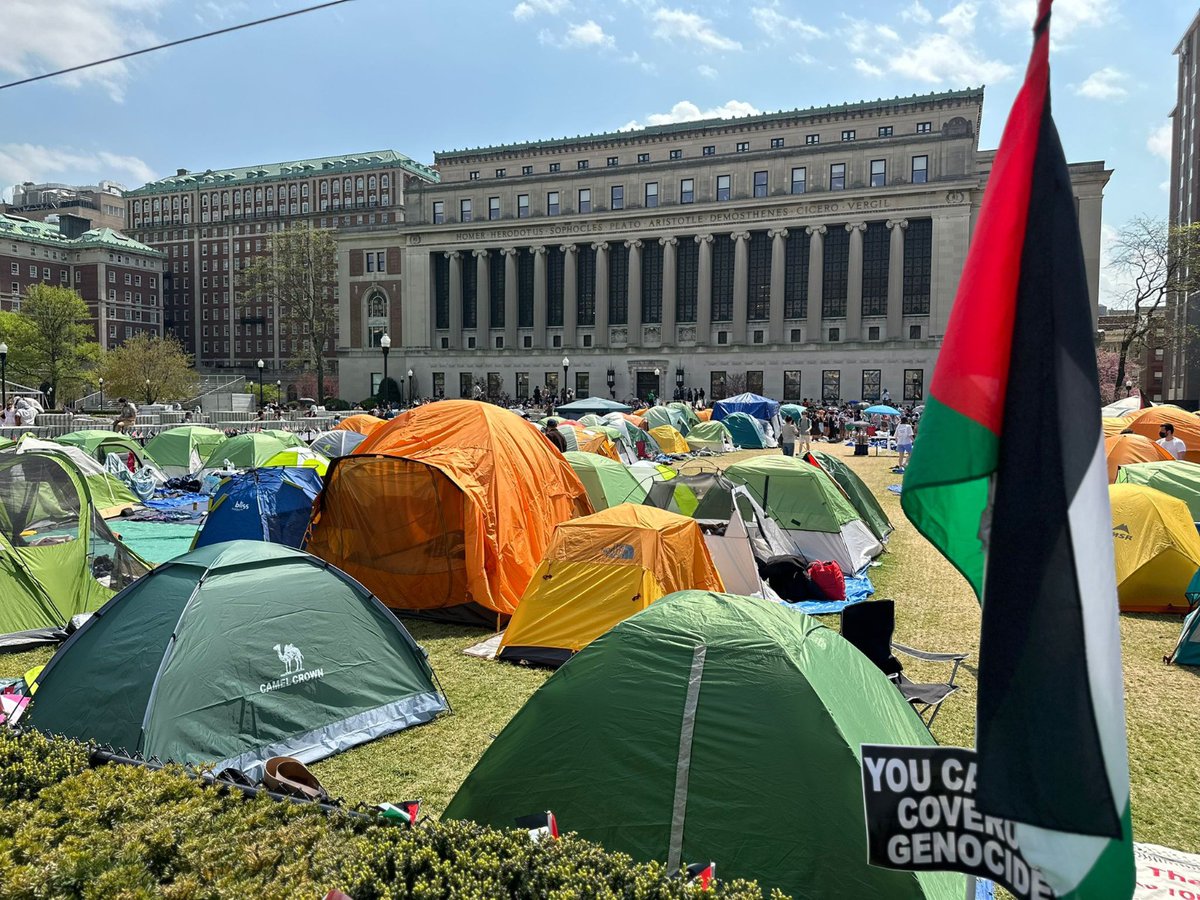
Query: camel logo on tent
(293, 669)
(1121, 533)
(619, 551)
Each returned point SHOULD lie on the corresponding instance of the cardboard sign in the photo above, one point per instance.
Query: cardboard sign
(921, 816)
(1166, 874)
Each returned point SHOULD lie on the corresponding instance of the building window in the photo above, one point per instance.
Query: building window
(776, 143)
(500, 173)
(837, 177)
(722, 278)
(885, 130)
(581, 164)
(441, 290)
(439, 212)
(812, 139)
(585, 200)
(554, 287)
(876, 253)
(795, 275)
(687, 265)
(920, 169)
(799, 179)
(710, 150)
(651, 194)
(831, 385)
(796, 335)
(618, 197)
(643, 157)
(585, 284)
(526, 170)
(723, 186)
(555, 167)
(918, 257)
(493, 208)
(760, 184)
(525, 288)
(791, 386)
(914, 385)
(652, 286)
(743, 146)
(873, 333)
(914, 332)
(495, 286)
(618, 284)
(924, 127)
(522, 206)
(878, 172)
(552, 204)
(687, 190)
(758, 277)
(835, 272)
(676, 154)
(473, 176)
(717, 385)
(612, 161)
(464, 210)
(870, 385)
(848, 135)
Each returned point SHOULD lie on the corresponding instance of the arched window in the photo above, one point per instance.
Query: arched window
(371, 183)
(258, 195)
(377, 306)
(324, 188)
(359, 183)
(385, 182)
(346, 185)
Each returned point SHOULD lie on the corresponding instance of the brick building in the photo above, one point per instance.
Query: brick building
(120, 279)
(102, 203)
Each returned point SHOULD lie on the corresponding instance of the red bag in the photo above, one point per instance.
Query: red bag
(828, 579)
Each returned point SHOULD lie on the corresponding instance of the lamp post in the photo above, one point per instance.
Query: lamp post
(385, 344)
(612, 383)
(1128, 388)
(101, 393)
(657, 384)
(148, 399)
(679, 382)
(261, 365)
(278, 395)
(50, 393)
(566, 365)
(4, 375)
(410, 386)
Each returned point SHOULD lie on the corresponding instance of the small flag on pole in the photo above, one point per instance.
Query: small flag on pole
(1008, 481)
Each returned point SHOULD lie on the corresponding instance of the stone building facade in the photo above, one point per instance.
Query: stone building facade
(811, 253)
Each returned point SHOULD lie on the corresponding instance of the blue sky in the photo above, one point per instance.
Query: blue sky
(421, 75)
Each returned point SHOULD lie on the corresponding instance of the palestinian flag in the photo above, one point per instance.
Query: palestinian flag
(1008, 481)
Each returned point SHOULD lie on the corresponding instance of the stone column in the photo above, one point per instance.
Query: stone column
(778, 263)
(570, 295)
(816, 279)
(670, 281)
(704, 289)
(634, 317)
(510, 297)
(601, 338)
(895, 298)
(539, 298)
(456, 299)
(741, 271)
(854, 282)
(483, 300)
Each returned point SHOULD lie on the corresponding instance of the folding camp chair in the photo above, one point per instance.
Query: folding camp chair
(869, 626)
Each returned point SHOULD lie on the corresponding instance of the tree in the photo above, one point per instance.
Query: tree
(1156, 262)
(150, 368)
(299, 273)
(51, 340)
(306, 386)
(1112, 388)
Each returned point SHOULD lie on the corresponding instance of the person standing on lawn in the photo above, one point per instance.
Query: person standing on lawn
(904, 441)
(787, 436)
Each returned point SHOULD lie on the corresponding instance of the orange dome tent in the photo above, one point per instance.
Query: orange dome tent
(363, 423)
(1124, 449)
(446, 510)
(705, 415)
(1187, 427)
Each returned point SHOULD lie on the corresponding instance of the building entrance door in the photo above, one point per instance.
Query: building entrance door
(647, 382)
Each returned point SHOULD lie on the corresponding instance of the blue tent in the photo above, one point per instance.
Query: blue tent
(269, 504)
(762, 408)
(747, 433)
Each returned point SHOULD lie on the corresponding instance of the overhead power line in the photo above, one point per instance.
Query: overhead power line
(186, 40)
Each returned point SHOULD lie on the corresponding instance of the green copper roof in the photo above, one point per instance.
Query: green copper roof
(969, 94)
(19, 228)
(300, 168)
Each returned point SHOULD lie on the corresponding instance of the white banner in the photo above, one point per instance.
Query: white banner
(1166, 874)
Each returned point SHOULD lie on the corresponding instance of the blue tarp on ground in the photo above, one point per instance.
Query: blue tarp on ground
(155, 542)
(857, 590)
(270, 504)
(763, 408)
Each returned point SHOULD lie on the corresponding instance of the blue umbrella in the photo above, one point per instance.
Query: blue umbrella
(881, 411)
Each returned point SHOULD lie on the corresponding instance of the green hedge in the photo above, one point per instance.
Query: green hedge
(67, 830)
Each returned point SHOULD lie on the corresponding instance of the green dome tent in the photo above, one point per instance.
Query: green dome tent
(807, 504)
(245, 451)
(287, 438)
(98, 443)
(757, 711)
(666, 415)
(57, 557)
(182, 450)
(607, 482)
(235, 653)
(1178, 478)
(110, 496)
(712, 436)
(856, 492)
(685, 410)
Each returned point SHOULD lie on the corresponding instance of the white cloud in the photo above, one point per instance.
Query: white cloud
(527, 9)
(675, 24)
(917, 13)
(862, 37)
(803, 59)
(1103, 84)
(687, 111)
(1158, 142)
(1068, 15)
(778, 26)
(212, 12)
(960, 20)
(34, 162)
(866, 68)
(887, 33)
(705, 71)
(589, 34)
(44, 37)
(944, 59)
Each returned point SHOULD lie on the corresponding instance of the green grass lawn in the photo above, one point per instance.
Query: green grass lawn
(935, 610)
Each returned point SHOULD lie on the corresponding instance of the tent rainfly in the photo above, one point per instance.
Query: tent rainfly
(270, 504)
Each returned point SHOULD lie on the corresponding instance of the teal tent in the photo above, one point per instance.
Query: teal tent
(607, 482)
(856, 492)
(711, 727)
(666, 415)
(597, 405)
(746, 430)
(1187, 651)
(235, 653)
(685, 410)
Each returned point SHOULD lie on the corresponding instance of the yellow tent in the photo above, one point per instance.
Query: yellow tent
(300, 456)
(669, 440)
(1114, 425)
(1126, 449)
(1156, 546)
(600, 570)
